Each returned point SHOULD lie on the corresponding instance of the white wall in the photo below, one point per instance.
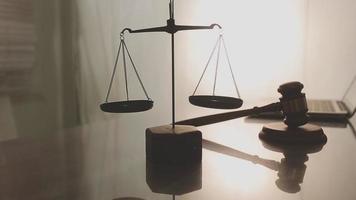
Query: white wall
(265, 41)
(331, 47)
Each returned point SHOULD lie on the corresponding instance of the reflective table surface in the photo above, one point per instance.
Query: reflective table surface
(106, 161)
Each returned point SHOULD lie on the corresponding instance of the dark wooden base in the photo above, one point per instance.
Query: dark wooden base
(174, 179)
(180, 145)
(279, 133)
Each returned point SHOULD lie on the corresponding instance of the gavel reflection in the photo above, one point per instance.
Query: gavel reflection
(291, 169)
(183, 179)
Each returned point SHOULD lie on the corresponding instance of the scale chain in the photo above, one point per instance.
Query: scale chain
(206, 66)
(217, 64)
(135, 69)
(113, 73)
(232, 73)
(125, 71)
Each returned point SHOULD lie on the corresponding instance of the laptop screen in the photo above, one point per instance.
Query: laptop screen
(352, 123)
(350, 96)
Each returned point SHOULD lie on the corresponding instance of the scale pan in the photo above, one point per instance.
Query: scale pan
(219, 102)
(127, 106)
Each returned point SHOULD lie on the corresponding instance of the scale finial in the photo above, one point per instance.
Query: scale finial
(171, 9)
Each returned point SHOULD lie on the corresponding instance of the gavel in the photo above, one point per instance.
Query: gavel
(292, 104)
(184, 143)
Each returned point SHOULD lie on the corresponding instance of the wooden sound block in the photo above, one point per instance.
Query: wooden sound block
(166, 145)
(282, 134)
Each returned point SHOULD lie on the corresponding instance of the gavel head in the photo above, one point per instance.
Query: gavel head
(294, 104)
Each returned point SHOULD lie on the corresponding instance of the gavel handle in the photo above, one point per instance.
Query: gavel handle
(216, 118)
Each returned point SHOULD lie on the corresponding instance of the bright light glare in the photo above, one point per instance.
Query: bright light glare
(238, 175)
(265, 40)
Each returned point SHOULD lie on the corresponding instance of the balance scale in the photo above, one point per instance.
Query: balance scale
(181, 142)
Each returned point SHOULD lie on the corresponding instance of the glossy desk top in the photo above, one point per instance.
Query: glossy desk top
(106, 160)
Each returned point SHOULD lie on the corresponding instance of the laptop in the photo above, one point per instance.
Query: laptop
(352, 123)
(327, 110)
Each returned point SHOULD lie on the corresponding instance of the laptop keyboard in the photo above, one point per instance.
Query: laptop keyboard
(321, 105)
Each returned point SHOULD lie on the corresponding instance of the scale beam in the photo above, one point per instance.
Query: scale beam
(171, 28)
(186, 27)
(146, 30)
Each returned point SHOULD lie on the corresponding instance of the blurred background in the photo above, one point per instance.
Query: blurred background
(56, 56)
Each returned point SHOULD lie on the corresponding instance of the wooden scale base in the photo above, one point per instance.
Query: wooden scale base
(183, 144)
